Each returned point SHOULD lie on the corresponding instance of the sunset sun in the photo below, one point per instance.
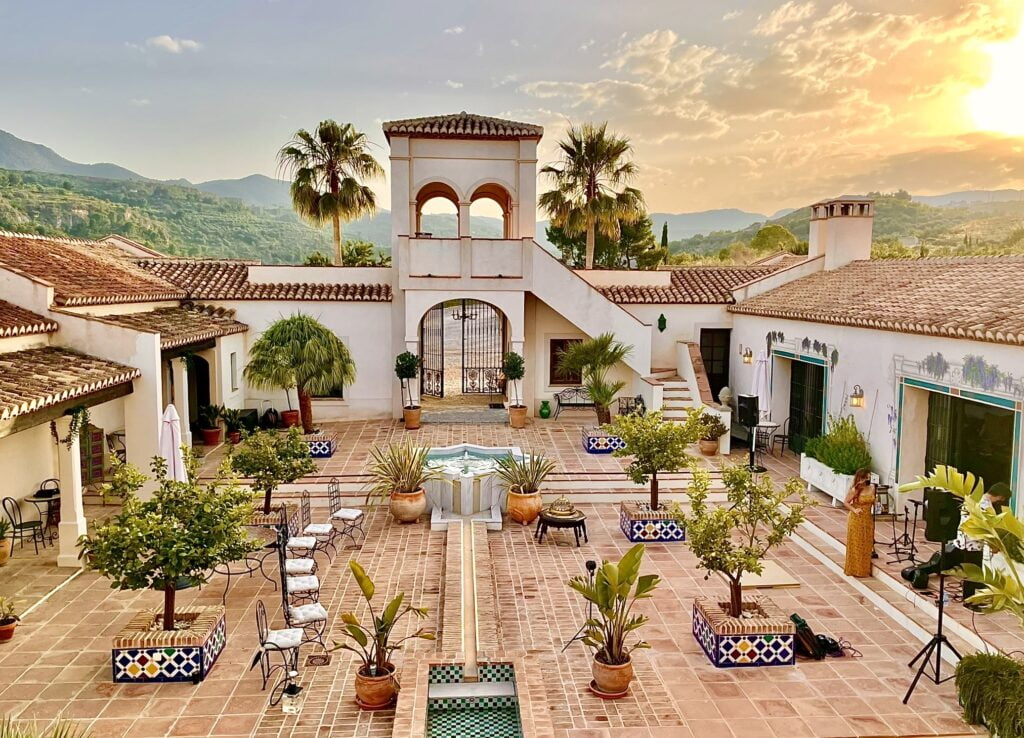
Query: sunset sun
(998, 105)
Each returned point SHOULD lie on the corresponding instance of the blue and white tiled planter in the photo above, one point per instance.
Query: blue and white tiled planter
(321, 445)
(596, 441)
(642, 525)
(765, 640)
(141, 654)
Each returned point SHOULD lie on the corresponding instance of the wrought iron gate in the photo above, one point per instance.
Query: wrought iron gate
(432, 352)
(483, 346)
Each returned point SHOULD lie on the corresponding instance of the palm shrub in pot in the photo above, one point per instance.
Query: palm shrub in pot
(8, 618)
(407, 367)
(523, 475)
(514, 369)
(232, 418)
(592, 359)
(209, 423)
(375, 642)
(397, 473)
(711, 429)
(271, 459)
(613, 592)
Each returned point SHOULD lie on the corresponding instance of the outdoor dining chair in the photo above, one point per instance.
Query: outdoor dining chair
(311, 618)
(21, 528)
(303, 544)
(324, 533)
(299, 588)
(350, 518)
(284, 641)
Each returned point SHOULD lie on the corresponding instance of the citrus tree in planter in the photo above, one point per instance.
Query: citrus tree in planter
(407, 368)
(8, 618)
(592, 359)
(164, 543)
(732, 539)
(271, 459)
(514, 369)
(654, 447)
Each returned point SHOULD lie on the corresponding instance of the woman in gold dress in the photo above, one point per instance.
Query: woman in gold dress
(860, 525)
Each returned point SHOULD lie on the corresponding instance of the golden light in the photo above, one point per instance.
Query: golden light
(999, 105)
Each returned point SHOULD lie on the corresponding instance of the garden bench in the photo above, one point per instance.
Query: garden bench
(572, 397)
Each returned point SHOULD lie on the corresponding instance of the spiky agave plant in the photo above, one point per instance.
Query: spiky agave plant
(523, 474)
(58, 729)
(400, 468)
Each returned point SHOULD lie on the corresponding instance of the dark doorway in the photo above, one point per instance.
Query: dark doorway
(971, 436)
(806, 403)
(198, 387)
(714, 352)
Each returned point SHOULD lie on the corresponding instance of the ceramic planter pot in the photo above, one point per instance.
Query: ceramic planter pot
(523, 508)
(708, 448)
(235, 437)
(211, 436)
(411, 416)
(517, 416)
(6, 546)
(374, 692)
(612, 679)
(290, 418)
(7, 631)
(406, 507)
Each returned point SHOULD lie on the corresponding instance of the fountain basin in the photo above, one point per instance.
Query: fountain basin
(468, 487)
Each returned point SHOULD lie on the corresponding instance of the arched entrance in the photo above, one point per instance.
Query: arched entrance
(462, 343)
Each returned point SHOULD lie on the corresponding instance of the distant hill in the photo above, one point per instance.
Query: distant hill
(970, 197)
(21, 155)
(255, 189)
(684, 225)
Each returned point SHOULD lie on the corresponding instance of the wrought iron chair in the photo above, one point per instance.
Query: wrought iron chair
(632, 405)
(21, 528)
(284, 641)
(763, 440)
(298, 588)
(311, 618)
(782, 437)
(350, 518)
(303, 544)
(324, 533)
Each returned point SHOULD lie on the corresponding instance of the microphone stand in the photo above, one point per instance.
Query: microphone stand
(591, 568)
(934, 646)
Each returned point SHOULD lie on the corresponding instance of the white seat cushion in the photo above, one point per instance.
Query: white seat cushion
(304, 614)
(319, 529)
(301, 542)
(347, 513)
(298, 567)
(302, 584)
(280, 640)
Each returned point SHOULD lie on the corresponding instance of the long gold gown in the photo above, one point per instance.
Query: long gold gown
(860, 535)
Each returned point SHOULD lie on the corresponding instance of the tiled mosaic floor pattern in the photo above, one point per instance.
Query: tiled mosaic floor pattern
(491, 722)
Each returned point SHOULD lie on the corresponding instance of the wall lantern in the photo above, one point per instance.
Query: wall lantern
(662, 323)
(747, 354)
(857, 396)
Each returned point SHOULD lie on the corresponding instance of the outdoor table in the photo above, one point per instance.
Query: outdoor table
(577, 521)
(50, 516)
(253, 562)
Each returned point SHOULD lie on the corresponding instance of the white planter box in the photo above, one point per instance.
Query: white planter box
(825, 479)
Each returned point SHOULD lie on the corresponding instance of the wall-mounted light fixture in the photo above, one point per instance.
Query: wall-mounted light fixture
(662, 323)
(747, 354)
(857, 396)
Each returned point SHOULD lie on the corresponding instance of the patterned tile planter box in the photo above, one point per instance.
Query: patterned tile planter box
(141, 654)
(642, 525)
(596, 441)
(322, 445)
(766, 639)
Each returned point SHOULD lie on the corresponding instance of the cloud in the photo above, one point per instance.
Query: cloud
(453, 85)
(732, 15)
(172, 45)
(454, 30)
(140, 102)
(513, 42)
(784, 15)
(587, 44)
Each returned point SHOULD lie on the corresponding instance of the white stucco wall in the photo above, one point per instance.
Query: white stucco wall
(683, 323)
(27, 458)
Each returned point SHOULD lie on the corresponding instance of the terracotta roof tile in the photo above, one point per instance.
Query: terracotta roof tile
(17, 321)
(228, 280)
(180, 326)
(976, 298)
(462, 125)
(83, 272)
(33, 379)
(690, 285)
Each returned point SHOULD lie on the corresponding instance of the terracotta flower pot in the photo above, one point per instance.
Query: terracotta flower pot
(407, 507)
(517, 416)
(375, 691)
(211, 436)
(612, 679)
(411, 416)
(290, 418)
(523, 508)
(708, 448)
(235, 437)
(6, 546)
(7, 631)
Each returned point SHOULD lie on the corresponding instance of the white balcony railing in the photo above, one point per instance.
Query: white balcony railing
(479, 258)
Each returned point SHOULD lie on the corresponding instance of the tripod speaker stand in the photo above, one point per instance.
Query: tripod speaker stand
(591, 568)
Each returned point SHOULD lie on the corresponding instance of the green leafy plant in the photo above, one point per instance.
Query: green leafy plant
(989, 687)
(398, 467)
(8, 611)
(271, 459)
(592, 359)
(317, 259)
(59, 729)
(734, 538)
(300, 352)
(523, 474)
(178, 535)
(514, 369)
(407, 367)
(209, 415)
(616, 588)
(232, 418)
(654, 445)
(373, 642)
(5, 528)
(711, 427)
(843, 448)
(79, 419)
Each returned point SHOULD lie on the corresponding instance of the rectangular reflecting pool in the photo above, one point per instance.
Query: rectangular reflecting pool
(488, 708)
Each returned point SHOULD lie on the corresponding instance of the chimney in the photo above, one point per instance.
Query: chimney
(840, 230)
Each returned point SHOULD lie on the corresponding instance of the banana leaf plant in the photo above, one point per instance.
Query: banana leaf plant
(614, 591)
(373, 643)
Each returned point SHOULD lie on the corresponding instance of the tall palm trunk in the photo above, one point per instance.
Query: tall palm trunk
(591, 244)
(306, 411)
(336, 221)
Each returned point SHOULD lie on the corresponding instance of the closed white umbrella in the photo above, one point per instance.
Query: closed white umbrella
(761, 387)
(170, 445)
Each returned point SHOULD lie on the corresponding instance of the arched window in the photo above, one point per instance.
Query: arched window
(437, 211)
(490, 201)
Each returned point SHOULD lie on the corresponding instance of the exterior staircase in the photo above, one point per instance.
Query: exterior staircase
(677, 398)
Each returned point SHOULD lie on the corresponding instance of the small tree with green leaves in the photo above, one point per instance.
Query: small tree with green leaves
(317, 259)
(514, 369)
(271, 459)
(654, 445)
(178, 535)
(734, 538)
(407, 366)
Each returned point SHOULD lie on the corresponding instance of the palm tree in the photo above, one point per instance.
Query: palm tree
(587, 197)
(326, 168)
(300, 352)
(592, 359)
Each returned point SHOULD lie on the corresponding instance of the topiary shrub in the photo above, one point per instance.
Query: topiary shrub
(843, 448)
(990, 688)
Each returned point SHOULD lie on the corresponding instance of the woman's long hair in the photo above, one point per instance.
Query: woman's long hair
(861, 479)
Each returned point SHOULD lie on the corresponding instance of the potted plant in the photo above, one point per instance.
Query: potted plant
(592, 359)
(514, 369)
(170, 540)
(398, 473)
(407, 367)
(300, 352)
(829, 462)
(654, 446)
(270, 459)
(232, 418)
(8, 619)
(711, 429)
(613, 591)
(209, 423)
(523, 475)
(732, 539)
(6, 542)
(375, 679)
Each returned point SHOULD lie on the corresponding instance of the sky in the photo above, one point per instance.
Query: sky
(756, 105)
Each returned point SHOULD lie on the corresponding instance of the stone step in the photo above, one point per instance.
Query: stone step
(471, 690)
(676, 385)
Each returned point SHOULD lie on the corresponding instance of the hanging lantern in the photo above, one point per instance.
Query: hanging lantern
(662, 323)
(857, 396)
(291, 700)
